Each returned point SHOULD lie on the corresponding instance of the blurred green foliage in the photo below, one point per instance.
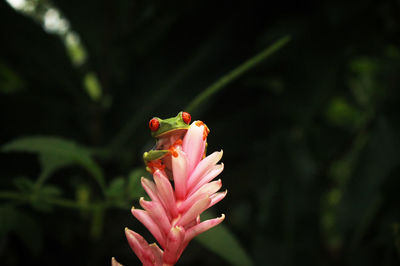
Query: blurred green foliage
(309, 127)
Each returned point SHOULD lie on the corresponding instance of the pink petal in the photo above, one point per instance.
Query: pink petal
(206, 190)
(217, 197)
(146, 220)
(194, 145)
(165, 192)
(197, 208)
(157, 213)
(216, 170)
(203, 168)
(179, 168)
(158, 254)
(140, 246)
(202, 227)
(174, 243)
(151, 190)
(193, 223)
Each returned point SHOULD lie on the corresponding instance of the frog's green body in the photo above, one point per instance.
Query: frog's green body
(166, 132)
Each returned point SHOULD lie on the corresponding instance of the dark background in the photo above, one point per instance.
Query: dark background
(310, 135)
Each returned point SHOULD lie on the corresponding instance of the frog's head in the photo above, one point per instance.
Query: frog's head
(164, 127)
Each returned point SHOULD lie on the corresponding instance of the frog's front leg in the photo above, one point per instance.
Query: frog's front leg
(153, 155)
(152, 159)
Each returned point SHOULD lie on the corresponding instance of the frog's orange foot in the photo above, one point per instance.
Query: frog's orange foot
(172, 151)
(177, 142)
(155, 165)
(172, 148)
(206, 129)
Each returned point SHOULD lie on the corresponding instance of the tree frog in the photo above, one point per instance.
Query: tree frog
(167, 132)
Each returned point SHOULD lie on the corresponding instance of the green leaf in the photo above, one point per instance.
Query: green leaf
(56, 153)
(116, 188)
(222, 241)
(135, 189)
(50, 191)
(23, 184)
(39, 198)
(92, 86)
(37, 195)
(342, 114)
(51, 162)
(122, 191)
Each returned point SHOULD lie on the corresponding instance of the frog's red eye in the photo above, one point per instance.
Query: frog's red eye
(186, 117)
(154, 124)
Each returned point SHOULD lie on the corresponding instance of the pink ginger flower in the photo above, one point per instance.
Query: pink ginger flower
(173, 214)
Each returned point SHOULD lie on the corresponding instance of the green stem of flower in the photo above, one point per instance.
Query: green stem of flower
(236, 73)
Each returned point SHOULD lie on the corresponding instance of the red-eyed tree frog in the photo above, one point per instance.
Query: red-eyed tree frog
(167, 132)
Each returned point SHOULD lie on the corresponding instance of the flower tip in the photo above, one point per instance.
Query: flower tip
(222, 217)
(144, 180)
(177, 228)
(142, 203)
(197, 123)
(114, 262)
(219, 155)
(157, 172)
